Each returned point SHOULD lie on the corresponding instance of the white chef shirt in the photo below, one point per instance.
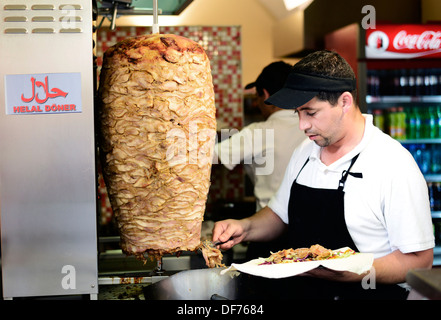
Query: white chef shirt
(387, 209)
(265, 149)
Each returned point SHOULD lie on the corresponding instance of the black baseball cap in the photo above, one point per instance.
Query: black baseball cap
(301, 87)
(272, 77)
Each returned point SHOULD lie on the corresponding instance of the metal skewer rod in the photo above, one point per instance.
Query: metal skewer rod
(114, 13)
(155, 27)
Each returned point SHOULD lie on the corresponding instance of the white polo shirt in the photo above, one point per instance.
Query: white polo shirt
(387, 209)
(264, 148)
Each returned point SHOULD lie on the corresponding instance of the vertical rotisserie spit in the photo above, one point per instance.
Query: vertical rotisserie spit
(157, 127)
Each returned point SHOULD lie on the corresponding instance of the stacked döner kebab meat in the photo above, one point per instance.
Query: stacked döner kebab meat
(157, 128)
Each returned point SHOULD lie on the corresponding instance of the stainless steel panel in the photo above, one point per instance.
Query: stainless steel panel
(47, 161)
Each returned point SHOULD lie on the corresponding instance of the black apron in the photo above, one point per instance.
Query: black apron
(317, 216)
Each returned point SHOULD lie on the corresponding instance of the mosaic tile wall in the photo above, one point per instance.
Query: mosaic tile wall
(223, 47)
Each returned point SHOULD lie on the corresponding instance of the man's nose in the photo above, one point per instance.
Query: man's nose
(304, 124)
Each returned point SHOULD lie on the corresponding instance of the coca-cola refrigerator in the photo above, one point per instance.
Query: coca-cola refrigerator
(398, 68)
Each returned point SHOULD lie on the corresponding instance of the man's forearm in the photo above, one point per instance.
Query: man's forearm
(393, 267)
(264, 225)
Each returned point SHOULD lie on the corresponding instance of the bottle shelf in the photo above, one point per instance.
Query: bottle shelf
(403, 99)
(420, 97)
(420, 141)
(432, 177)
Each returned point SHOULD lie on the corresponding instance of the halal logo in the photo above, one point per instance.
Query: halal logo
(378, 40)
(47, 92)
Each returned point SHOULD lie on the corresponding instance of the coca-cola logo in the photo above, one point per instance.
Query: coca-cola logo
(427, 40)
(404, 41)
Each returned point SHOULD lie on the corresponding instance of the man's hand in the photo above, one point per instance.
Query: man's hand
(264, 225)
(230, 231)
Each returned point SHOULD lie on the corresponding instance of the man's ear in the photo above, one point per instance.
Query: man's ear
(266, 94)
(346, 100)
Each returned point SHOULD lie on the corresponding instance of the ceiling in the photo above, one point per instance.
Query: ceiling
(165, 7)
(278, 9)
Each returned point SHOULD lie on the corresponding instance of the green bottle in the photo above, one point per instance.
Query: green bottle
(418, 123)
(410, 123)
(432, 125)
(438, 122)
(401, 124)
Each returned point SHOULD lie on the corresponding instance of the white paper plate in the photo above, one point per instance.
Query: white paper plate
(357, 263)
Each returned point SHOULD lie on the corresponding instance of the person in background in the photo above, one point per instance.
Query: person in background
(264, 148)
(350, 185)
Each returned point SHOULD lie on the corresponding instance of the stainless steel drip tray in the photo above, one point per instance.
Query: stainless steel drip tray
(116, 262)
(122, 277)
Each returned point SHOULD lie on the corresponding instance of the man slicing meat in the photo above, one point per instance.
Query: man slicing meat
(349, 185)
